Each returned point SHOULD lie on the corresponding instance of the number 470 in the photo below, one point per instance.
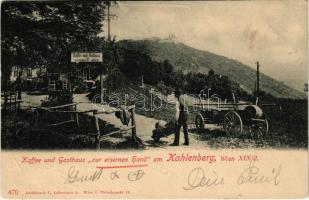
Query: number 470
(13, 192)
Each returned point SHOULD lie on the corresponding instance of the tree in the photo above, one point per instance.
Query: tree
(165, 90)
(134, 63)
(168, 68)
(45, 33)
(211, 72)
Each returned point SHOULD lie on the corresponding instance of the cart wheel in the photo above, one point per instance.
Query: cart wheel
(199, 121)
(232, 123)
(258, 128)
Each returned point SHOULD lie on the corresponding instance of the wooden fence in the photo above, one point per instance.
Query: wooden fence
(71, 109)
(10, 101)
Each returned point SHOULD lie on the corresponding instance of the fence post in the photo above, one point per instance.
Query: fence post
(5, 101)
(10, 101)
(76, 115)
(133, 123)
(15, 103)
(36, 117)
(18, 105)
(72, 115)
(97, 137)
(77, 119)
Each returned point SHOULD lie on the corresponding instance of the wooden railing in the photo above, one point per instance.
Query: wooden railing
(10, 101)
(75, 118)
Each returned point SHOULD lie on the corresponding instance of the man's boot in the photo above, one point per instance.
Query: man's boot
(186, 141)
(176, 140)
(186, 134)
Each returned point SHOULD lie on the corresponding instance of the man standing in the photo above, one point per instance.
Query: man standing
(182, 108)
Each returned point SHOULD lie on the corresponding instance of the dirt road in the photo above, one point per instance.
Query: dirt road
(212, 137)
(144, 125)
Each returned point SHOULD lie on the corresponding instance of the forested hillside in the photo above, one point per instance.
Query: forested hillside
(186, 59)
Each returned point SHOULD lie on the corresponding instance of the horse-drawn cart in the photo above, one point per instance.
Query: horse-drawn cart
(235, 118)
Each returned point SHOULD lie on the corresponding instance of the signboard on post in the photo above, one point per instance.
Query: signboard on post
(77, 57)
(87, 57)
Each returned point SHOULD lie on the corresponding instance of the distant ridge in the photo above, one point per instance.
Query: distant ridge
(186, 59)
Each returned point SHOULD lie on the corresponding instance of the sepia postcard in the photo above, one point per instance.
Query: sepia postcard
(154, 99)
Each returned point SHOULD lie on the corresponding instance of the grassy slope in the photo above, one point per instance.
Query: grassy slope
(186, 59)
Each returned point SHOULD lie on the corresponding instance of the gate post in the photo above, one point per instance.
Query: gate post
(133, 123)
(97, 137)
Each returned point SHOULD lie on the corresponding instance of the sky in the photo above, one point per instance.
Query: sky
(271, 32)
